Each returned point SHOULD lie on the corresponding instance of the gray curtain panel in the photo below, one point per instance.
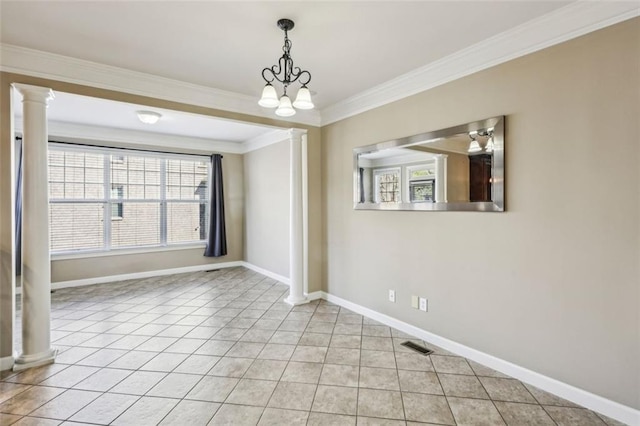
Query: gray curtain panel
(217, 237)
(19, 206)
(361, 183)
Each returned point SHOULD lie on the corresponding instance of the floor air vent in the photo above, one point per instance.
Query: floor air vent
(417, 348)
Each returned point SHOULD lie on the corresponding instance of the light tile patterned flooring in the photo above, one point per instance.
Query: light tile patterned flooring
(216, 348)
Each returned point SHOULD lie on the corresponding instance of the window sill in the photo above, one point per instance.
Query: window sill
(127, 251)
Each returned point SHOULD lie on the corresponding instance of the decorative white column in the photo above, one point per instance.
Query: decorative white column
(441, 178)
(305, 214)
(36, 265)
(297, 250)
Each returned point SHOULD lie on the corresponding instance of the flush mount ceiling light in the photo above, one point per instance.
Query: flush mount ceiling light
(148, 117)
(286, 73)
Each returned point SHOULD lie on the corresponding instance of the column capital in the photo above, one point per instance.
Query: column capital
(296, 134)
(34, 93)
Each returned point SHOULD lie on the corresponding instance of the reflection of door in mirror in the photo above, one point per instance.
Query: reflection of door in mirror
(480, 177)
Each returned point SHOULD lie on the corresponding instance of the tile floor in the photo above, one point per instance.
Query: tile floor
(216, 348)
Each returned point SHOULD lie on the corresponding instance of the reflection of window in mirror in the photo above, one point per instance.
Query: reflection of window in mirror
(421, 191)
(387, 185)
(420, 184)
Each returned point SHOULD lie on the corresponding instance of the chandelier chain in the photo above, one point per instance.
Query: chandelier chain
(290, 73)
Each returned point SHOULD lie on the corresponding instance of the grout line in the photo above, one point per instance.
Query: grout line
(232, 293)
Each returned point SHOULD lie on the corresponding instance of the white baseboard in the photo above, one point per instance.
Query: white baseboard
(316, 295)
(145, 274)
(6, 363)
(267, 273)
(581, 397)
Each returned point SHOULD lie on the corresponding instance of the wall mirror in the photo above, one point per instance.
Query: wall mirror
(460, 168)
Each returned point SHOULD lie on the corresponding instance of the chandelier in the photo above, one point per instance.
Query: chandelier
(286, 73)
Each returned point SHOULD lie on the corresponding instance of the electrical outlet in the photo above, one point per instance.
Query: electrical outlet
(414, 302)
(392, 296)
(423, 304)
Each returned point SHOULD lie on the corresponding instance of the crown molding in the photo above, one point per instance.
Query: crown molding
(36, 63)
(266, 140)
(566, 23)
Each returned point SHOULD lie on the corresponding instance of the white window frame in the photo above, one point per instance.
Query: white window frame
(376, 182)
(407, 179)
(108, 201)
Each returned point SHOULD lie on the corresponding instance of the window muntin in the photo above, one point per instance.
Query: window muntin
(76, 175)
(103, 199)
(387, 185)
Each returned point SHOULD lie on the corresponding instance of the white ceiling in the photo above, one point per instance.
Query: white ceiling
(348, 46)
(361, 54)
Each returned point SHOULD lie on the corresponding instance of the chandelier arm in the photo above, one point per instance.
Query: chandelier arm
(268, 70)
(275, 70)
(299, 74)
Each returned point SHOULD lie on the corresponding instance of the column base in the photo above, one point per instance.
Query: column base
(295, 301)
(29, 361)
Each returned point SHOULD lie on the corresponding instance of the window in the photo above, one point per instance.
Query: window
(103, 199)
(387, 185)
(420, 183)
(421, 191)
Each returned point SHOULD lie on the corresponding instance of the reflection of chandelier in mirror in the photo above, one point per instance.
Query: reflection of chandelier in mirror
(285, 73)
(481, 140)
(489, 146)
(474, 146)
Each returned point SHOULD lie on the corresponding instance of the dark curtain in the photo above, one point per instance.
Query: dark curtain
(19, 206)
(361, 183)
(217, 238)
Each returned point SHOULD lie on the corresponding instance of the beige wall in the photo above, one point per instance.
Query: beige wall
(552, 284)
(457, 178)
(266, 188)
